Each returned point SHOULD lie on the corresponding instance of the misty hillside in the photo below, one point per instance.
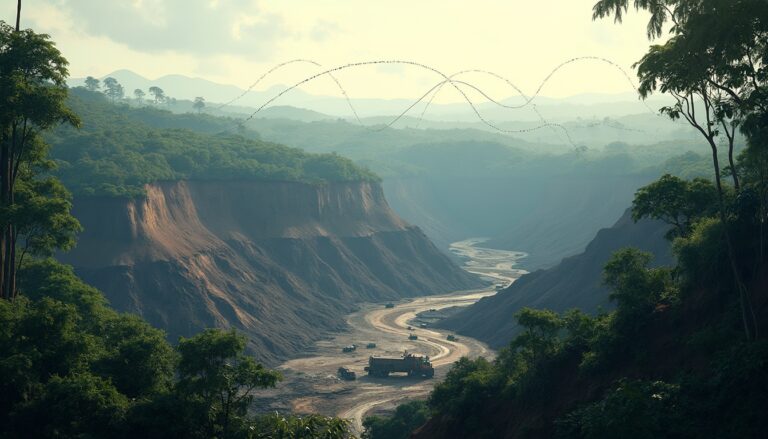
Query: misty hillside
(575, 283)
(592, 106)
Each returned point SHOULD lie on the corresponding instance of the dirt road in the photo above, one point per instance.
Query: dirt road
(311, 384)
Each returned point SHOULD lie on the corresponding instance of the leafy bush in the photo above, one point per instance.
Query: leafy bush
(406, 419)
(632, 409)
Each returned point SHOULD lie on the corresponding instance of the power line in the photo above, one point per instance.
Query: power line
(399, 62)
(436, 89)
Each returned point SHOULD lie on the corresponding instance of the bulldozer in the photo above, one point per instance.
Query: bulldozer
(346, 374)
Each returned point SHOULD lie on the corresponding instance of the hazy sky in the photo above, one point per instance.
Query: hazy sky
(235, 41)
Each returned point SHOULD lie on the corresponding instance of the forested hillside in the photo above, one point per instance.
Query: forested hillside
(576, 282)
(118, 149)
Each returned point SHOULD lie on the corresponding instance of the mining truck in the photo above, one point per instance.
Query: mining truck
(350, 348)
(389, 305)
(413, 337)
(413, 365)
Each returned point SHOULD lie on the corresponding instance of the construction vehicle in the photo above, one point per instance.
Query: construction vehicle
(370, 345)
(423, 325)
(413, 365)
(413, 337)
(452, 338)
(346, 374)
(410, 328)
(350, 348)
(389, 305)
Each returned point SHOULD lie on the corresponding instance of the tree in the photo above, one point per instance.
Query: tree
(92, 84)
(636, 288)
(540, 335)
(715, 66)
(113, 89)
(676, 202)
(139, 95)
(33, 95)
(42, 212)
(216, 374)
(199, 104)
(158, 93)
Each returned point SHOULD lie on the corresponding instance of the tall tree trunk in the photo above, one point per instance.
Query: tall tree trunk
(18, 16)
(5, 176)
(747, 313)
(731, 162)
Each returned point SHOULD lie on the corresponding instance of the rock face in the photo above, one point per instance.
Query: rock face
(576, 282)
(282, 262)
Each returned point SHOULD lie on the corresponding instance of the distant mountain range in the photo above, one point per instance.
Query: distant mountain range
(584, 106)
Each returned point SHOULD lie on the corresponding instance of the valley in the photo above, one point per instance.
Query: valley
(312, 386)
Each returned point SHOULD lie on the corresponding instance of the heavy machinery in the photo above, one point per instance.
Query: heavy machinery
(389, 305)
(346, 374)
(413, 365)
(452, 338)
(370, 345)
(350, 348)
(422, 325)
(413, 337)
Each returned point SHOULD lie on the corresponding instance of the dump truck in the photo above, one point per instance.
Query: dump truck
(350, 348)
(413, 365)
(370, 345)
(413, 337)
(452, 338)
(346, 374)
(389, 305)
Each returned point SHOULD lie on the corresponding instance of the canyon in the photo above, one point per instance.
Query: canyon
(282, 262)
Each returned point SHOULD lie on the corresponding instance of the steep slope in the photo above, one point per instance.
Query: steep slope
(574, 283)
(282, 262)
(542, 220)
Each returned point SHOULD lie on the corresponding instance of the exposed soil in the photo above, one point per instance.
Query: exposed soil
(311, 385)
(283, 263)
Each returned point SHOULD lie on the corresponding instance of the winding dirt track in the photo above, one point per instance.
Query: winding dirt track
(388, 328)
(395, 321)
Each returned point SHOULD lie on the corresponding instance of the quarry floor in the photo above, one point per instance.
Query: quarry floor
(311, 384)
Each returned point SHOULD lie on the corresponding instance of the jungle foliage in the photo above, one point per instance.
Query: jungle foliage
(119, 149)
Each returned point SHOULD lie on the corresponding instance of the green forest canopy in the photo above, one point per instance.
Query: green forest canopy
(118, 150)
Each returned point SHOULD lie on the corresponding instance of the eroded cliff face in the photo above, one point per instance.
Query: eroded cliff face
(282, 262)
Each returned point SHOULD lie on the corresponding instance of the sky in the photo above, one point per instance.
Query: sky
(235, 41)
